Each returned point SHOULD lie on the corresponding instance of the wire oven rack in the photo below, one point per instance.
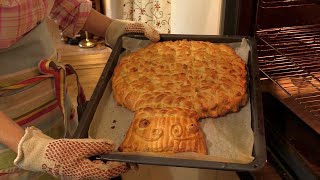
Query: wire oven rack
(290, 57)
(278, 3)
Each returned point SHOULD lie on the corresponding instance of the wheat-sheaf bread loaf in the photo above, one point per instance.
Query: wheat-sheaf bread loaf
(165, 130)
(208, 78)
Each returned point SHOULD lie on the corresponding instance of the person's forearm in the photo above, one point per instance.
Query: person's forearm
(10, 132)
(97, 23)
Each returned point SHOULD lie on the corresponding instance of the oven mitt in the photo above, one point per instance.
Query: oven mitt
(119, 27)
(66, 158)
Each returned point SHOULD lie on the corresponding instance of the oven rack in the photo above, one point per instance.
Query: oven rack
(282, 3)
(290, 57)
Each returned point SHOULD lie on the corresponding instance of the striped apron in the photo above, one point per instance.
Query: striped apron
(33, 93)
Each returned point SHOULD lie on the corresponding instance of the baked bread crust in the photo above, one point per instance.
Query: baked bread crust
(165, 130)
(208, 78)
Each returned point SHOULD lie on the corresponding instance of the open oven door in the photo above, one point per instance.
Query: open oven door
(288, 43)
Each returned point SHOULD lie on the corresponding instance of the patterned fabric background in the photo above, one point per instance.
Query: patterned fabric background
(156, 13)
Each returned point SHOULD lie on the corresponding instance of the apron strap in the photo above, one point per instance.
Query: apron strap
(59, 73)
(81, 99)
(44, 67)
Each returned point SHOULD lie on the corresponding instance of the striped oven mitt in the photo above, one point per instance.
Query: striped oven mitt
(66, 158)
(119, 27)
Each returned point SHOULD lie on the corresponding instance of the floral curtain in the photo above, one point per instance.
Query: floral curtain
(156, 13)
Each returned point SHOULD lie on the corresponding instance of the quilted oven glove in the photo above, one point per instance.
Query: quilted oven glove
(119, 27)
(66, 158)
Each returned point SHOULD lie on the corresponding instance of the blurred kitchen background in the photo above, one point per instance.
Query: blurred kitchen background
(170, 16)
(210, 17)
(167, 16)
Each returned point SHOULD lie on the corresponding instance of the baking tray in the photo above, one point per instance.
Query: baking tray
(257, 122)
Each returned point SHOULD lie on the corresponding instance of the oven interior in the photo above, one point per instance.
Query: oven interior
(287, 33)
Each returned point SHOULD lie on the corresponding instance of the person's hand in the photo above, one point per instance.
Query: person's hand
(66, 158)
(119, 27)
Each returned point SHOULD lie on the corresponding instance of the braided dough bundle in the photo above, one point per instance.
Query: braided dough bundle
(208, 79)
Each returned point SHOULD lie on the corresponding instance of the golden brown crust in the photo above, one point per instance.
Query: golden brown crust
(202, 76)
(166, 130)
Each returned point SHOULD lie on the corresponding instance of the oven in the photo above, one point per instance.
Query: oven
(287, 33)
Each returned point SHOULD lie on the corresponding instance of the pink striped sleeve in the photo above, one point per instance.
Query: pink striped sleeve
(70, 15)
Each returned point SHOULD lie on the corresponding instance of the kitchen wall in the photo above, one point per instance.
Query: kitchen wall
(196, 17)
(113, 8)
(187, 16)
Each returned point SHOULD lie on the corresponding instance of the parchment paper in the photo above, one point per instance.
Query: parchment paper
(228, 138)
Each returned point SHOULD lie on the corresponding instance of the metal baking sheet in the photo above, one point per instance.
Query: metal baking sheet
(103, 89)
